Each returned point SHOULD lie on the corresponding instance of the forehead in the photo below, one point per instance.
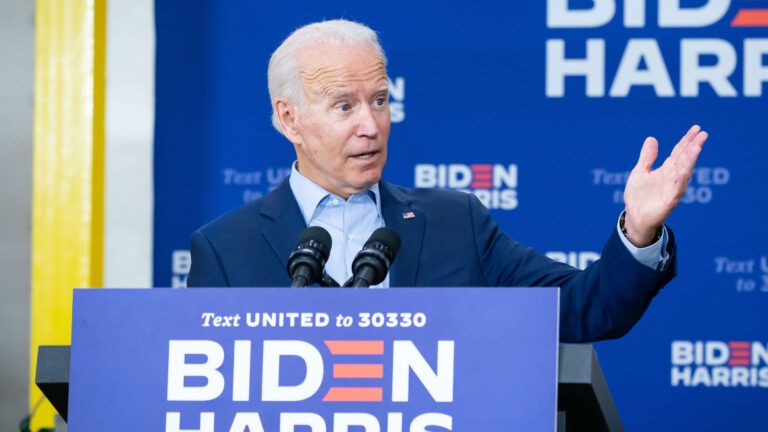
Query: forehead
(327, 68)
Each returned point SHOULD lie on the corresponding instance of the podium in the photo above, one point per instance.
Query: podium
(441, 358)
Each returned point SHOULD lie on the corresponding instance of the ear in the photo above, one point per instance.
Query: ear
(286, 114)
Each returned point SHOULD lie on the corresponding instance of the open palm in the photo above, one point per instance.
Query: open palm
(651, 195)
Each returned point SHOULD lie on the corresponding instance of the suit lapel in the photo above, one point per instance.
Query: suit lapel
(284, 222)
(397, 210)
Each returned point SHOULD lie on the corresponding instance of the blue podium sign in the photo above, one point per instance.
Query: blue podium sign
(342, 360)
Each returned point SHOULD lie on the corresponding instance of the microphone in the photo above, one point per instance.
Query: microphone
(305, 264)
(328, 282)
(371, 264)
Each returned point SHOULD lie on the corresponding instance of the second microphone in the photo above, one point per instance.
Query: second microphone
(371, 264)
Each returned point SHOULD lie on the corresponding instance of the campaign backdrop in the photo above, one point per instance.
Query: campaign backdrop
(540, 109)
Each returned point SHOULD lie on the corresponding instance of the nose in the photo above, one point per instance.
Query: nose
(366, 123)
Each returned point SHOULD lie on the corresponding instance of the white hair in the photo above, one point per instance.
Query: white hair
(283, 77)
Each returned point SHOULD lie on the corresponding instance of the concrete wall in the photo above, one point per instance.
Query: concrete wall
(130, 121)
(17, 54)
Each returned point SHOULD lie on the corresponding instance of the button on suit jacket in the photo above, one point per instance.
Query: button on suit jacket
(451, 240)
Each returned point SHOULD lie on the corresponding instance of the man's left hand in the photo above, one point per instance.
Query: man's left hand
(650, 195)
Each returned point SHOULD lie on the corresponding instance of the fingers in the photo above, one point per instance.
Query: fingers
(691, 153)
(699, 139)
(691, 133)
(683, 156)
(687, 150)
(648, 154)
(684, 141)
(690, 147)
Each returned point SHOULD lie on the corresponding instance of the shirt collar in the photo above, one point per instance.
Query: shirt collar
(309, 194)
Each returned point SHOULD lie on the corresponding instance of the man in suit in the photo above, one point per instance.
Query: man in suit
(328, 86)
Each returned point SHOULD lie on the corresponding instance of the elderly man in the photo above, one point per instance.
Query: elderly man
(328, 86)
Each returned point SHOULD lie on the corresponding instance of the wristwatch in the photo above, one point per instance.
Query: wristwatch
(656, 238)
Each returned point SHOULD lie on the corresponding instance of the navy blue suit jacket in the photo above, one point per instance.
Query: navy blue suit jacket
(451, 241)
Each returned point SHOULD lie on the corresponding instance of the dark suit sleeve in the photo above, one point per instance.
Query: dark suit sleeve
(206, 269)
(603, 301)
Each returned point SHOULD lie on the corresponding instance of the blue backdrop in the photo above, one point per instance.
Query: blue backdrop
(485, 87)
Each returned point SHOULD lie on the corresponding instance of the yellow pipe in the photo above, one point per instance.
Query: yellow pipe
(68, 179)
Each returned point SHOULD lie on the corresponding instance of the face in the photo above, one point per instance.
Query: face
(340, 132)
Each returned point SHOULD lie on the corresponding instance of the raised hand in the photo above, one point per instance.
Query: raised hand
(650, 195)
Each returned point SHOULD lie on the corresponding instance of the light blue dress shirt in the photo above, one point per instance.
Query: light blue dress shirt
(654, 256)
(350, 223)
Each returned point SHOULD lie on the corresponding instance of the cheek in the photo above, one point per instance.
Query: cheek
(315, 139)
(317, 131)
(384, 122)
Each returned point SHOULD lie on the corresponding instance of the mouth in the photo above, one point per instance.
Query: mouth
(364, 156)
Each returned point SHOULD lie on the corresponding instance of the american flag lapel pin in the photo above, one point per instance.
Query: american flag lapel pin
(408, 215)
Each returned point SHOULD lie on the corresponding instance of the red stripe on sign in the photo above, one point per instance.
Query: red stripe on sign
(740, 353)
(339, 347)
(353, 394)
(484, 167)
(751, 18)
(738, 362)
(358, 371)
(737, 345)
(481, 176)
(481, 184)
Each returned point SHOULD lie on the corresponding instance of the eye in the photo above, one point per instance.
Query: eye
(344, 107)
(379, 101)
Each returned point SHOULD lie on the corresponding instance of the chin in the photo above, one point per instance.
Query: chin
(365, 182)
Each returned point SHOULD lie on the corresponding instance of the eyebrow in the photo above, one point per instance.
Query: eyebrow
(338, 94)
(344, 94)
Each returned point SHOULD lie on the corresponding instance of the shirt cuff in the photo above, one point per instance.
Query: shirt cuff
(654, 256)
